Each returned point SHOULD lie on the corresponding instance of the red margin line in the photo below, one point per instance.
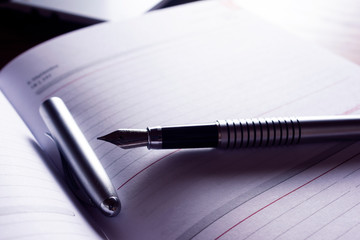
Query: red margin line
(167, 155)
(352, 110)
(283, 196)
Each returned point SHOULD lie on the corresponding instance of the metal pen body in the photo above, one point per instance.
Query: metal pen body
(80, 156)
(261, 132)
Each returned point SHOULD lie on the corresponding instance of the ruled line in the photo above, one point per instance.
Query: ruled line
(347, 231)
(312, 214)
(287, 194)
(226, 208)
(31, 209)
(148, 166)
(304, 96)
(337, 217)
(290, 209)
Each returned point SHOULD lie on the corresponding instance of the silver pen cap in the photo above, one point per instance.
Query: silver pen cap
(80, 156)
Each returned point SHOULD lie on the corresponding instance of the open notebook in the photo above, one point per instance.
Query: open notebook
(191, 64)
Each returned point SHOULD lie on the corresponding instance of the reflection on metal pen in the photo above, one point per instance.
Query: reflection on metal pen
(79, 156)
(240, 133)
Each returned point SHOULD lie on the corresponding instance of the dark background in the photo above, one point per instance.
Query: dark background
(21, 30)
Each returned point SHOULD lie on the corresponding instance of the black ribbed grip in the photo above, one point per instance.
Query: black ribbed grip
(245, 133)
(195, 136)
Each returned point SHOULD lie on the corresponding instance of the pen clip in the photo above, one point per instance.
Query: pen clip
(70, 178)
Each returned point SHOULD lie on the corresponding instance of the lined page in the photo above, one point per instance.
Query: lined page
(32, 204)
(206, 61)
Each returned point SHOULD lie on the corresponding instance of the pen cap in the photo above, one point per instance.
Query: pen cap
(79, 155)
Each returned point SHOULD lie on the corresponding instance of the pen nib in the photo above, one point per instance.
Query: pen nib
(127, 138)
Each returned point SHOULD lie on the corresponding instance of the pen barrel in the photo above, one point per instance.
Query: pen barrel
(262, 132)
(338, 128)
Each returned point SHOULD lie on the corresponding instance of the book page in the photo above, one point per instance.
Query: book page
(197, 64)
(32, 204)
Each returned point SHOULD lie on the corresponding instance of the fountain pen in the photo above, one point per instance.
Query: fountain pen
(241, 133)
